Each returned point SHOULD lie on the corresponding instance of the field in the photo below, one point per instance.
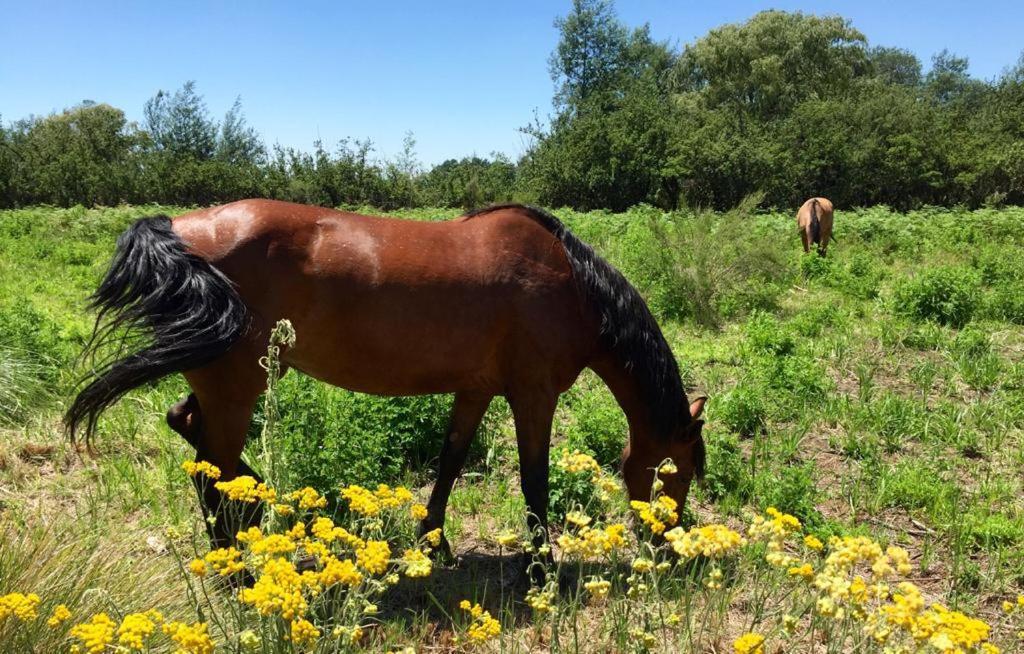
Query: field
(875, 396)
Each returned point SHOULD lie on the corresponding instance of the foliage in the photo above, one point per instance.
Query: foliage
(787, 104)
(948, 295)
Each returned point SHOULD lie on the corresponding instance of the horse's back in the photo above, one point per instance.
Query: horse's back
(397, 306)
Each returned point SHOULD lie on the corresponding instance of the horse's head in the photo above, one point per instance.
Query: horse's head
(685, 446)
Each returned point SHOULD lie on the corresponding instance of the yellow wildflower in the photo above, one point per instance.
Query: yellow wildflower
(813, 543)
(599, 588)
(226, 561)
(805, 571)
(577, 518)
(373, 557)
(23, 607)
(136, 627)
(433, 537)
(749, 643)
(245, 489)
(418, 512)
(417, 564)
(303, 632)
(337, 571)
(59, 615)
(191, 639)
(578, 462)
(507, 539)
(307, 498)
(193, 468)
(361, 501)
(712, 541)
(96, 634)
(483, 627)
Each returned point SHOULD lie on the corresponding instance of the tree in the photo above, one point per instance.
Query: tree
(180, 124)
(895, 66)
(239, 143)
(767, 65)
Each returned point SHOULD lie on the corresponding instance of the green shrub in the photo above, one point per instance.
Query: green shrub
(600, 427)
(742, 410)
(813, 266)
(792, 490)
(332, 437)
(568, 490)
(948, 295)
(765, 335)
(727, 474)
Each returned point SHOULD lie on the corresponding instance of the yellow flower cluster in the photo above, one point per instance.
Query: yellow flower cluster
(374, 556)
(936, 626)
(307, 498)
(190, 639)
(541, 600)
(224, 561)
(749, 643)
(657, 514)
(325, 530)
(193, 468)
(245, 489)
(484, 627)
(578, 462)
(96, 634)
(23, 607)
(592, 543)
(303, 632)
(60, 614)
(597, 587)
(137, 627)
(417, 564)
(712, 541)
(278, 590)
(775, 529)
(369, 503)
(418, 511)
(339, 571)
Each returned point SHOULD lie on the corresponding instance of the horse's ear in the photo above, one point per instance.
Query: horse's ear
(697, 406)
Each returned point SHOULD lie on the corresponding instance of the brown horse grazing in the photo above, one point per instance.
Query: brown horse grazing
(814, 220)
(500, 301)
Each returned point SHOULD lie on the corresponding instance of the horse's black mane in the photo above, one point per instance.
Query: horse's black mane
(628, 329)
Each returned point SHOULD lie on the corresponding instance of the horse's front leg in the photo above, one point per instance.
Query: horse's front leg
(533, 413)
(467, 412)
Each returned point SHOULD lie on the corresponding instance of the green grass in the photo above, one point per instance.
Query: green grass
(879, 391)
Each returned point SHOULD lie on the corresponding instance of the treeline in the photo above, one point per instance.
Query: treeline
(786, 104)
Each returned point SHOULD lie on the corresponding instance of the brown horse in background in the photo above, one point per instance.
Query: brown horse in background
(814, 220)
(500, 301)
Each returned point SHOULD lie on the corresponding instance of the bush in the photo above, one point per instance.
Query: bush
(948, 295)
(765, 335)
(332, 437)
(727, 472)
(791, 490)
(742, 410)
(600, 428)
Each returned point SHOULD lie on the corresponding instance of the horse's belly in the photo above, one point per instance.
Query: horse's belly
(399, 352)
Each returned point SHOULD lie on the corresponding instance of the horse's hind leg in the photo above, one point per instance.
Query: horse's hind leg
(467, 412)
(215, 419)
(186, 418)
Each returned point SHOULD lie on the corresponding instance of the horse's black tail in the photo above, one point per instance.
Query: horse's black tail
(170, 308)
(815, 223)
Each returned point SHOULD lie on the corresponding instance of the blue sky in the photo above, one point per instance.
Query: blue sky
(462, 76)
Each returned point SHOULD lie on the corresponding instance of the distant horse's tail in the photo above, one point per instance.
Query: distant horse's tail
(184, 311)
(815, 223)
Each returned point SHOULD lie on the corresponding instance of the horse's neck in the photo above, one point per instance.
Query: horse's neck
(628, 394)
